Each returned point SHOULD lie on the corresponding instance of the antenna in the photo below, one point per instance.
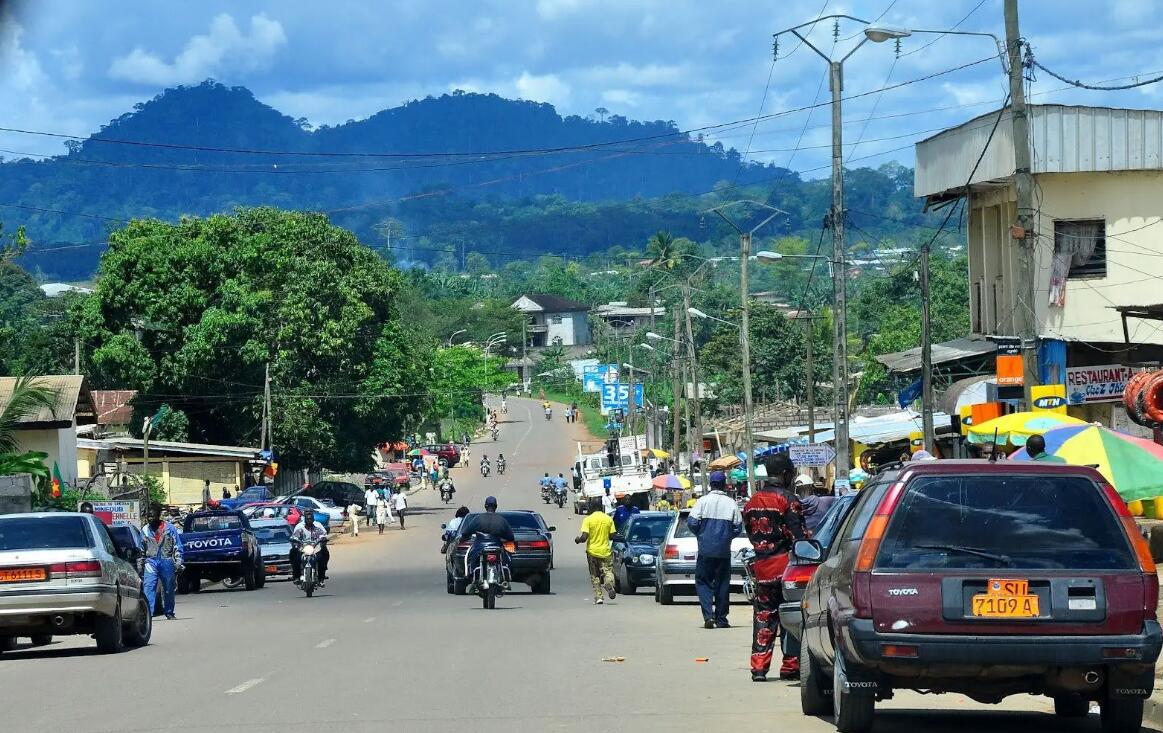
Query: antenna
(993, 455)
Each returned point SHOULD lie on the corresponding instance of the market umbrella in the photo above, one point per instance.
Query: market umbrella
(1016, 427)
(654, 453)
(670, 481)
(1134, 466)
(738, 474)
(419, 452)
(723, 463)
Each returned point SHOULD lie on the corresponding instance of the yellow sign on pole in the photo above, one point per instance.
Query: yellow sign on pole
(965, 412)
(1049, 398)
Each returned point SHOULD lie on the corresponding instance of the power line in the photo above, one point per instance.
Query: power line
(1031, 61)
(942, 35)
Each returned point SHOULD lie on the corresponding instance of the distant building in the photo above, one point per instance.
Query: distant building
(623, 318)
(54, 431)
(114, 409)
(554, 321)
(1097, 240)
(54, 290)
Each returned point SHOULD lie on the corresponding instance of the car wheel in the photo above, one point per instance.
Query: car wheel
(657, 592)
(7, 643)
(459, 587)
(260, 575)
(815, 699)
(666, 595)
(140, 629)
(448, 587)
(851, 713)
(1122, 714)
(617, 583)
(42, 639)
(250, 571)
(543, 585)
(108, 632)
(1071, 706)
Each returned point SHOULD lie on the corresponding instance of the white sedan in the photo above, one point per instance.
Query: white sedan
(334, 513)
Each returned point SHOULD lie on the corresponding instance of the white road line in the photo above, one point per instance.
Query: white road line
(325, 643)
(369, 619)
(245, 686)
(528, 429)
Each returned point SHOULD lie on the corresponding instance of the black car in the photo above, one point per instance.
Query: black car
(636, 550)
(341, 493)
(530, 561)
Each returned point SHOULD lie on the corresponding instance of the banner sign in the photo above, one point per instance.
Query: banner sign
(811, 454)
(618, 395)
(593, 377)
(1009, 362)
(1087, 385)
(1049, 398)
(115, 513)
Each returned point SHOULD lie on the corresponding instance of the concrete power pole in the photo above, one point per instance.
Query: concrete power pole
(926, 356)
(1024, 179)
(697, 446)
(839, 283)
(809, 336)
(675, 418)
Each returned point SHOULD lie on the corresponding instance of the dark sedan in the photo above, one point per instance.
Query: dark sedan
(530, 561)
(636, 550)
(341, 493)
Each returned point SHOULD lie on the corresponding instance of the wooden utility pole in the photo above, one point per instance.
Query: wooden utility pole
(1023, 233)
(697, 446)
(675, 418)
(266, 408)
(927, 357)
(809, 333)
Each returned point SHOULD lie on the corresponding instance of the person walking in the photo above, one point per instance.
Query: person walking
(400, 501)
(596, 529)
(382, 511)
(609, 503)
(370, 498)
(163, 561)
(353, 515)
(774, 521)
(714, 520)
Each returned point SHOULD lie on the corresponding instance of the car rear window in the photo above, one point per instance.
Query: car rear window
(999, 521)
(648, 529)
(521, 520)
(43, 533)
(273, 535)
(213, 523)
(684, 530)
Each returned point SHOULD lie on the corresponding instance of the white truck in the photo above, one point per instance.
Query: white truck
(596, 473)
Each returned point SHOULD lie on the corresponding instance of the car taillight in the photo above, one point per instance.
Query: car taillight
(869, 546)
(81, 569)
(797, 576)
(492, 557)
(534, 545)
(671, 552)
(1142, 550)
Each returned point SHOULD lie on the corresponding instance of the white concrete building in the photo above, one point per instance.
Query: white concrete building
(554, 321)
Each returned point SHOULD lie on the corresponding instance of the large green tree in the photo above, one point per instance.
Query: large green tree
(192, 313)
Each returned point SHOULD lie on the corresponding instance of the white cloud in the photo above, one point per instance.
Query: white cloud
(552, 9)
(647, 75)
(1129, 13)
(69, 62)
(543, 88)
(225, 45)
(621, 96)
(22, 67)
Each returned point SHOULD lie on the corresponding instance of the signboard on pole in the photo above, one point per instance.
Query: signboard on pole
(593, 377)
(1009, 362)
(1092, 384)
(633, 443)
(115, 512)
(1048, 398)
(617, 395)
(811, 454)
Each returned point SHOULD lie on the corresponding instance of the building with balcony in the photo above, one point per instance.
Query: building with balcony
(554, 321)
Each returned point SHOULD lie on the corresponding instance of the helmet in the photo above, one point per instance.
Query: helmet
(491, 502)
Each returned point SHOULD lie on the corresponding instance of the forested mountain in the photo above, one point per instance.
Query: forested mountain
(432, 179)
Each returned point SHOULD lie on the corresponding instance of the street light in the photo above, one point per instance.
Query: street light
(882, 33)
(658, 337)
(699, 314)
(768, 257)
(455, 334)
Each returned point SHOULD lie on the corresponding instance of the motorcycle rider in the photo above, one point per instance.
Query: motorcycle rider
(446, 486)
(489, 525)
(560, 485)
(484, 464)
(546, 485)
(306, 531)
(501, 462)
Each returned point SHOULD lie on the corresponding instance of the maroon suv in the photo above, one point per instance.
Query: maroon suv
(988, 579)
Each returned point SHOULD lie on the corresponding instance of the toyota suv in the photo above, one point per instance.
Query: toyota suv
(987, 579)
(61, 573)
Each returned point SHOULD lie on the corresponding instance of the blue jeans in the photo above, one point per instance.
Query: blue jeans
(713, 584)
(165, 571)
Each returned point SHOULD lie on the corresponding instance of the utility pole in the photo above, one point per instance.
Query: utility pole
(839, 283)
(676, 436)
(809, 333)
(745, 350)
(686, 304)
(631, 403)
(266, 402)
(77, 355)
(1024, 180)
(926, 356)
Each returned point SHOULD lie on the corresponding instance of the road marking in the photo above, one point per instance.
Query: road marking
(369, 619)
(528, 429)
(397, 604)
(325, 643)
(245, 686)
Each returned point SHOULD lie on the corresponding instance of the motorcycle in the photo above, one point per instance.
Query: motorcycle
(496, 432)
(485, 470)
(747, 557)
(308, 552)
(491, 576)
(545, 494)
(446, 493)
(560, 499)
(501, 468)
(548, 413)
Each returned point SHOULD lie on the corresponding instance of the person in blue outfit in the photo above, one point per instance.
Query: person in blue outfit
(163, 561)
(622, 514)
(715, 520)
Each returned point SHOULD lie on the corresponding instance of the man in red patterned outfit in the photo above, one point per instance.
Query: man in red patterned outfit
(774, 521)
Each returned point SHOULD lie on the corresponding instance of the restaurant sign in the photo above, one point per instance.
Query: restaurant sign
(1091, 384)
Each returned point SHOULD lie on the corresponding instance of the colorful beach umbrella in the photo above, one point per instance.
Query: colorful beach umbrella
(1134, 466)
(654, 453)
(670, 481)
(418, 452)
(1016, 427)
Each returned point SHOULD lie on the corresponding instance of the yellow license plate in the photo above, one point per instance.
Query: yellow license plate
(21, 575)
(1004, 606)
(272, 569)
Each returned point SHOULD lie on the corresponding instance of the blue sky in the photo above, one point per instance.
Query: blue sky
(69, 66)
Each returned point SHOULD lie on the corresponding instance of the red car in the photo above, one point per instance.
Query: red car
(986, 579)
(271, 510)
(448, 451)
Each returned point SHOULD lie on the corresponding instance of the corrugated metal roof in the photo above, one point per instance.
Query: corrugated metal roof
(164, 446)
(962, 348)
(886, 428)
(552, 303)
(113, 406)
(73, 401)
(1064, 139)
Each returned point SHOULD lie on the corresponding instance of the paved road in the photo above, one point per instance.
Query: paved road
(384, 646)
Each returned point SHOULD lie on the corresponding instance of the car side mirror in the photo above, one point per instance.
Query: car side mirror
(809, 550)
(552, 528)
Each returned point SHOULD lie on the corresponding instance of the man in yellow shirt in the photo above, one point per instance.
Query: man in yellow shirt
(595, 533)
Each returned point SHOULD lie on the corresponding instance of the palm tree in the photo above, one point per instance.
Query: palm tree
(27, 399)
(663, 251)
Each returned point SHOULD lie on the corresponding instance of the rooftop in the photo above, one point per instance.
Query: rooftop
(162, 447)
(544, 303)
(113, 406)
(74, 401)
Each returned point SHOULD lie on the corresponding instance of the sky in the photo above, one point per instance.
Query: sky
(68, 66)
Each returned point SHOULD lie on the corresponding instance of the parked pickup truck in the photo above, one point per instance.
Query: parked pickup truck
(220, 545)
(248, 496)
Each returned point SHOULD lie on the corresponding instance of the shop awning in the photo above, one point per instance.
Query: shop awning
(946, 352)
(887, 428)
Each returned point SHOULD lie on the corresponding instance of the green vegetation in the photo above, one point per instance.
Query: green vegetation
(27, 398)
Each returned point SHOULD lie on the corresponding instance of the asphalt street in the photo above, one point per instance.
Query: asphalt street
(383, 646)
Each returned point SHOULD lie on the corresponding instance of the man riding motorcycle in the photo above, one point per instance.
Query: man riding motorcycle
(485, 467)
(560, 485)
(500, 462)
(308, 531)
(489, 525)
(446, 487)
(546, 486)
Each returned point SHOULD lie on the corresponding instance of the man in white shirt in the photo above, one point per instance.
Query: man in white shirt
(400, 500)
(609, 503)
(371, 498)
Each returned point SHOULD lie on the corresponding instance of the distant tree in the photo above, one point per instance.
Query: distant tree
(602, 112)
